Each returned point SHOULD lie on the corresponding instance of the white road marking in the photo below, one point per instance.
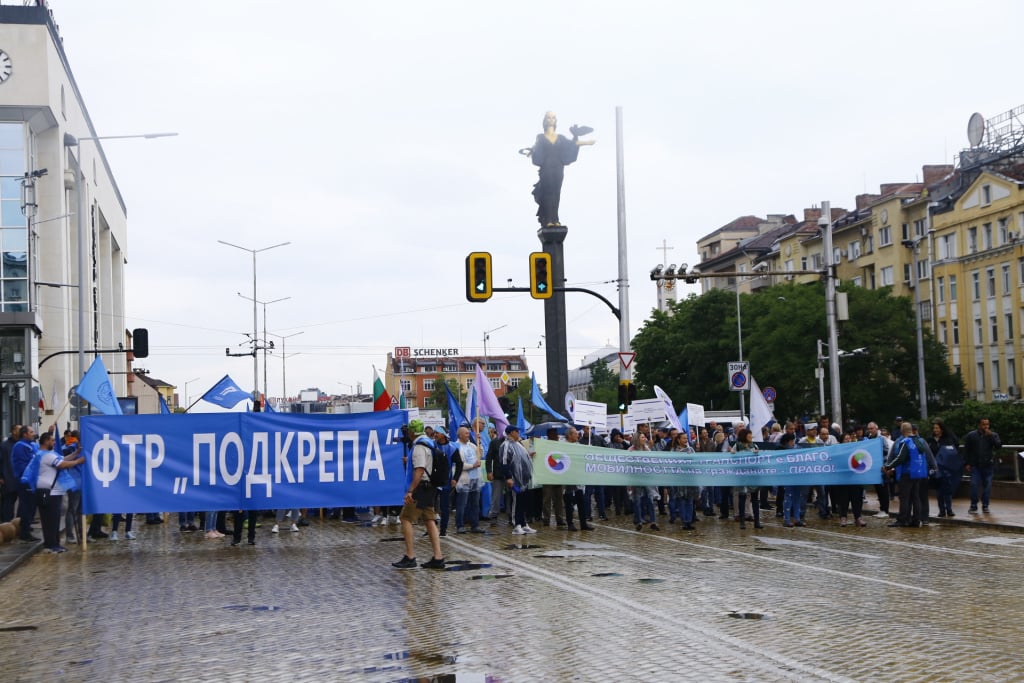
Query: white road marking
(907, 544)
(1017, 541)
(772, 540)
(728, 647)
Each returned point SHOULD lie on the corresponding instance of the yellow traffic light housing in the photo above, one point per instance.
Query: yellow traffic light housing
(541, 279)
(478, 276)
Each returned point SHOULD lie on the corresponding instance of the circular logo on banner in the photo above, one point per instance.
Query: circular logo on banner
(860, 461)
(558, 463)
(739, 379)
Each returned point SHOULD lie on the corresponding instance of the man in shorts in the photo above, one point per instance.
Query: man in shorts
(419, 502)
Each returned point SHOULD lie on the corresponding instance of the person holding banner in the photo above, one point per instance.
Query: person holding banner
(643, 496)
(50, 488)
(745, 444)
(683, 499)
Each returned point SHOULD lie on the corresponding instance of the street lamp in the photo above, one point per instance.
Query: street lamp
(264, 340)
(255, 320)
(187, 404)
(913, 245)
(284, 356)
(71, 141)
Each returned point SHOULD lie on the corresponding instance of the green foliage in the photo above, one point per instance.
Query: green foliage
(522, 391)
(439, 397)
(1007, 419)
(686, 352)
(604, 384)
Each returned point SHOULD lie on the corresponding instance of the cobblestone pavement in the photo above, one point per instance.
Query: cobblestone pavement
(820, 603)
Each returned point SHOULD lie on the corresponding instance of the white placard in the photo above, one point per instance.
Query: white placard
(695, 413)
(590, 413)
(627, 422)
(647, 410)
(432, 418)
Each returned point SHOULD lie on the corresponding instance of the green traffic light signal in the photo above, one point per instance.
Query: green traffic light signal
(478, 276)
(541, 278)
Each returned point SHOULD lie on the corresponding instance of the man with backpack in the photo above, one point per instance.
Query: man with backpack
(418, 504)
(910, 461)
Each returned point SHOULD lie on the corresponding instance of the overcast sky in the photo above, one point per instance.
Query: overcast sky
(381, 140)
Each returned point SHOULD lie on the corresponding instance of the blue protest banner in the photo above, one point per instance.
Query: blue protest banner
(241, 461)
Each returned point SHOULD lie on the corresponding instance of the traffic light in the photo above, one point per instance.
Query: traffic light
(140, 342)
(541, 282)
(478, 276)
(627, 394)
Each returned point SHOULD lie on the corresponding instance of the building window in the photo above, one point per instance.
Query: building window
(449, 367)
(995, 374)
(495, 367)
(986, 195)
(941, 289)
(14, 240)
(972, 240)
(975, 286)
(994, 327)
(405, 385)
(803, 263)
(853, 250)
(944, 333)
(1004, 230)
(788, 265)
(884, 236)
(956, 333)
(1011, 372)
(906, 273)
(428, 401)
(1009, 325)
(990, 282)
(515, 366)
(514, 382)
(986, 235)
(857, 281)
(887, 276)
(905, 231)
(1006, 278)
(977, 331)
(952, 287)
(428, 369)
(816, 262)
(495, 382)
(947, 247)
(869, 244)
(919, 227)
(837, 255)
(469, 384)
(428, 385)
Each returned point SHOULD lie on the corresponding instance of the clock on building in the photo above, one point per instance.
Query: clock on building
(5, 66)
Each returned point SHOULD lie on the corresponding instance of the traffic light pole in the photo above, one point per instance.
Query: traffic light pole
(551, 239)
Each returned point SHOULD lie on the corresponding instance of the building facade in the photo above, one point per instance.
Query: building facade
(416, 373)
(45, 147)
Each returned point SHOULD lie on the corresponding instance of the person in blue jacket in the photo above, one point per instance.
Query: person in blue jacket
(49, 488)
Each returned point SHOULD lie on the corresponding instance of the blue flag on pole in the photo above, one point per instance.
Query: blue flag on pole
(96, 389)
(268, 407)
(225, 393)
(164, 410)
(539, 401)
(521, 418)
(456, 418)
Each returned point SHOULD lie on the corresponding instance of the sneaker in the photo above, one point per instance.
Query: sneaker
(654, 527)
(477, 530)
(276, 529)
(518, 531)
(460, 530)
(383, 521)
(973, 510)
(528, 530)
(405, 563)
(252, 542)
(192, 527)
(57, 549)
(210, 535)
(434, 563)
(951, 514)
(985, 510)
(882, 514)
(113, 536)
(130, 535)
(71, 539)
(375, 520)
(295, 528)
(393, 519)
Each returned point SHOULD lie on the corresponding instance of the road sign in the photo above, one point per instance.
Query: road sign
(739, 376)
(769, 394)
(505, 378)
(627, 358)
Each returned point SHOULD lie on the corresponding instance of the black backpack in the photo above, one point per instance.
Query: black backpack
(440, 472)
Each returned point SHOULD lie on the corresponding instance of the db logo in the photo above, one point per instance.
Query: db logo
(403, 352)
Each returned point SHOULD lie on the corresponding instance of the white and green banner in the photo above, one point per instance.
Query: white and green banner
(558, 462)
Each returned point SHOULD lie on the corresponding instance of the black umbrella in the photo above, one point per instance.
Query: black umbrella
(542, 428)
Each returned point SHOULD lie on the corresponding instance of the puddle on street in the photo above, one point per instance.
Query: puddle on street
(254, 608)
(392, 538)
(650, 581)
(516, 546)
(465, 567)
(490, 577)
(603, 574)
(756, 616)
(11, 629)
(763, 548)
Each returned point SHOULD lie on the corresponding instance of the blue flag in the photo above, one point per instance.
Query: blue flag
(164, 410)
(456, 418)
(225, 393)
(267, 407)
(96, 389)
(539, 401)
(521, 418)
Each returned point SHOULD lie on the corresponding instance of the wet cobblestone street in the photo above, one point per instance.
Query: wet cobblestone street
(941, 603)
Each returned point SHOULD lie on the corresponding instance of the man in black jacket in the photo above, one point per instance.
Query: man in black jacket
(8, 482)
(980, 448)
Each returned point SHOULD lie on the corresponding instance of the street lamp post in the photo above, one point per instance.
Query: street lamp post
(72, 141)
(255, 320)
(187, 404)
(284, 356)
(913, 245)
(264, 340)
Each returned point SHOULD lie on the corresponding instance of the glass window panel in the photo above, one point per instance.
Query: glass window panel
(15, 239)
(12, 162)
(12, 135)
(10, 213)
(15, 290)
(14, 264)
(10, 188)
(15, 308)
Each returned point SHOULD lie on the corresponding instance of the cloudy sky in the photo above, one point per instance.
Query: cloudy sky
(381, 140)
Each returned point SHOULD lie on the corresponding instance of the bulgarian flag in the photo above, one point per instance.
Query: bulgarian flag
(381, 400)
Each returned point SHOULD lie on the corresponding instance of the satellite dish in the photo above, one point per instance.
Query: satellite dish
(976, 129)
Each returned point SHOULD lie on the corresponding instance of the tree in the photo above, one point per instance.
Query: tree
(604, 384)
(439, 397)
(686, 352)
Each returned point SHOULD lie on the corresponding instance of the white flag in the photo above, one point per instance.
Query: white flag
(760, 413)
